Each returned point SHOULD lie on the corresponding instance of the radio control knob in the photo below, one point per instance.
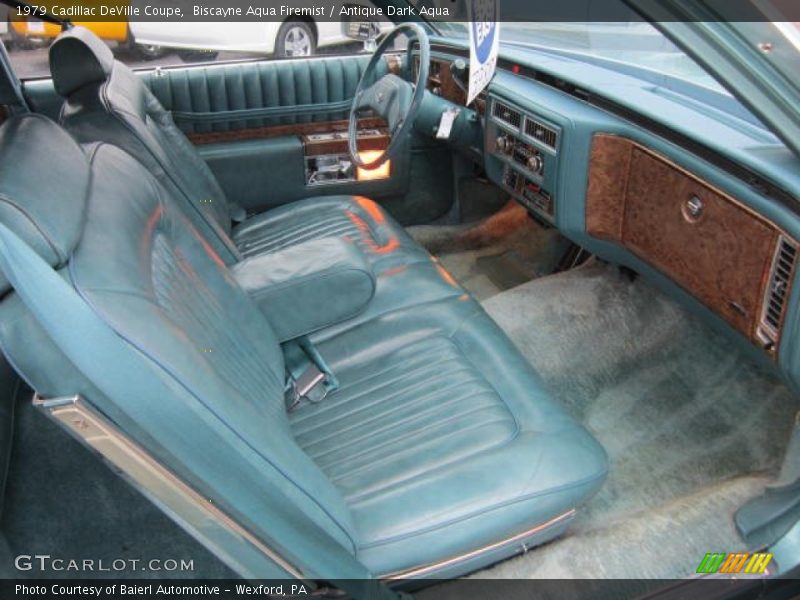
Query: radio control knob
(535, 163)
(502, 144)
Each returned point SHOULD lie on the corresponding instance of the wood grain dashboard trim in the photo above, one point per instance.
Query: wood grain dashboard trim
(609, 170)
(724, 256)
(441, 83)
(448, 88)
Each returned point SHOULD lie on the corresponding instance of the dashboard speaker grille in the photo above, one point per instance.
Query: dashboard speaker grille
(541, 132)
(778, 289)
(506, 114)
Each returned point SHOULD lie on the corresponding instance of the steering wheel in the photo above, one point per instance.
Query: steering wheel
(391, 97)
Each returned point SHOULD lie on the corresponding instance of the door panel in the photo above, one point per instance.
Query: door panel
(254, 123)
(231, 97)
(264, 173)
(259, 173)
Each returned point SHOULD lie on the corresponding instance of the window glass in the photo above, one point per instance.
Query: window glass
(632, 47)
(151, 44)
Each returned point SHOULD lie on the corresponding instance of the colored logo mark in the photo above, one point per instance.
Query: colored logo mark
(754, 563)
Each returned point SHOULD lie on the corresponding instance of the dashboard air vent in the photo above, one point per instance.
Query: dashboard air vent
(778, 290)
(506, 114)
(541, 132)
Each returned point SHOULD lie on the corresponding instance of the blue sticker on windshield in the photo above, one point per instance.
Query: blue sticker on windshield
(484, 32)
(484, 39)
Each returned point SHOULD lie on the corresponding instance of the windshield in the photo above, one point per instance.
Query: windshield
(637, 44)
(617, 44)
(632, 47)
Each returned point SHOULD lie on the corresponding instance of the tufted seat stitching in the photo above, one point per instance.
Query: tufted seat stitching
(336, 403)
(388, 412)
(263, 240)
(173, 289)
(420, 432)
(362, 495)
(487, 510)
(341, 415)
(377, 403)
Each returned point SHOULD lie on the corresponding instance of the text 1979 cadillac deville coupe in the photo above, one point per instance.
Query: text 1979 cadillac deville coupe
(334, 341)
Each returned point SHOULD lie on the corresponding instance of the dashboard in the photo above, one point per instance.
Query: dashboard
(729, 257)
(527, 146)
(706, 227)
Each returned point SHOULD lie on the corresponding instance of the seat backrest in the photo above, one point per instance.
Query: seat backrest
(147, 274)
(105, 101)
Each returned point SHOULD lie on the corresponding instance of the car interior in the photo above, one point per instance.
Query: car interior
(333, 322)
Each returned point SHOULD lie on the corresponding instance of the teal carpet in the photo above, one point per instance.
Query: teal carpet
(495, 254)
(63, 501)
(689, 423)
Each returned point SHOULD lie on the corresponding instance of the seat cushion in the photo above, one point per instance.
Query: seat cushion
(357, 218)
(442, 439)
(441, 447)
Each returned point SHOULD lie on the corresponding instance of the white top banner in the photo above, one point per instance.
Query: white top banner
(484, 42)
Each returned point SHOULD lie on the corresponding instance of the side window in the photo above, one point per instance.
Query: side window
(166, 43)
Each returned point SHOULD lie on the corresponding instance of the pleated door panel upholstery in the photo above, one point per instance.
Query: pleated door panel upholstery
(228, 97)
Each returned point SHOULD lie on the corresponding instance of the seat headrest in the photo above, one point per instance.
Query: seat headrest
(44, 183)
(79, 58)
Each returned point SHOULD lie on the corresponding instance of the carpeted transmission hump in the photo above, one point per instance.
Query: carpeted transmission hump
(498, 253)
(681, 412)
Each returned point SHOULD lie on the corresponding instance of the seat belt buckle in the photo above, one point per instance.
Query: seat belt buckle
(311, 385)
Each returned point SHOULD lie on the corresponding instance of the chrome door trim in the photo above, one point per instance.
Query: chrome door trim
(232, 543)
(427, 569)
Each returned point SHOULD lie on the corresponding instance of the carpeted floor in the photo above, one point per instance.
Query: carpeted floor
(648, 546)
(690, 424)
(63, 502)
(692, 427)
(495, 254)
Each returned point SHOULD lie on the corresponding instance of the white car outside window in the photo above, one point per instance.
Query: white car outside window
(290, 38)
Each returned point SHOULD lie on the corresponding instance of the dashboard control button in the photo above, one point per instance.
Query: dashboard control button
(535, 163)
(504, 145)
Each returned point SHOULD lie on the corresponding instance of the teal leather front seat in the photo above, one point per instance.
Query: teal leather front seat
(439, 452)
(106, 101)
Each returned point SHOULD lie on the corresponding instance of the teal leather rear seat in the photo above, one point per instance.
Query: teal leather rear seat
(105, 101)
(440, 451)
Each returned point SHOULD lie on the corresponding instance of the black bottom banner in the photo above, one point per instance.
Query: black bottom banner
(500, 589)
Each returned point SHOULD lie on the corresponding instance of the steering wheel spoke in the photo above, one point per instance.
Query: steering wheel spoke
(391, 98)
(365, 100)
